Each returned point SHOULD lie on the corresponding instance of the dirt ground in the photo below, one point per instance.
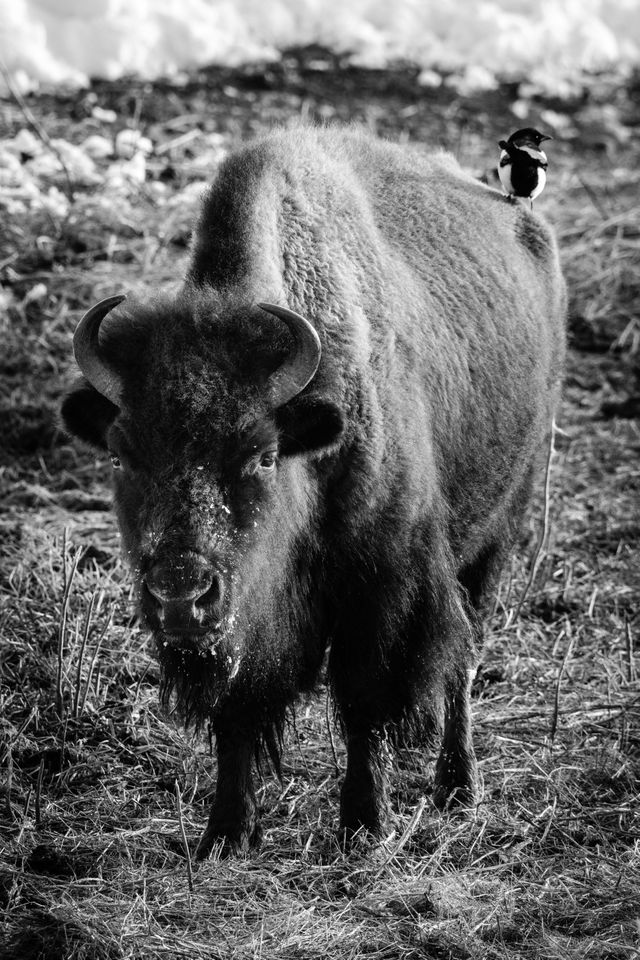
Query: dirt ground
(98, 787)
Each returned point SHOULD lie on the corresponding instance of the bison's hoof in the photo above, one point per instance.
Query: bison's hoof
(230, 842)
(363, 824)
(460, 798)
(455, 780)
(350, 837)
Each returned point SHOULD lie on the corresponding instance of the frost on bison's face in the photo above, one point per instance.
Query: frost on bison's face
(214, 485)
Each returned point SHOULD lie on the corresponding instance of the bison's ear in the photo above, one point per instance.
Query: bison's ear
(309, 424)
(88, 415)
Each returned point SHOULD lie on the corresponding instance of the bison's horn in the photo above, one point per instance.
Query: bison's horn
(87, 352)
(300, 366)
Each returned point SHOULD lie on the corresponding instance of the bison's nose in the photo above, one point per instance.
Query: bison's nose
(187, 593)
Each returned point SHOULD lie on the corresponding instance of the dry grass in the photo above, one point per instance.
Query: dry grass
(93, 861)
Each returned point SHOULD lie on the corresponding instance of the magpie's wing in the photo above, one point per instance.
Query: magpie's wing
(511, 149)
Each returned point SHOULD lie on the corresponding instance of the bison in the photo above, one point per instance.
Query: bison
(322, 446)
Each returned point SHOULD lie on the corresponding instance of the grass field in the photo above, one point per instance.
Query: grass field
(101, 793)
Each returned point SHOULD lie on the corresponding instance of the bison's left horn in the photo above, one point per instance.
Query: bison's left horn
(300, 366)
(87, 351)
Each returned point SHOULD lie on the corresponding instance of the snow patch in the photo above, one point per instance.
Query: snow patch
(68, 41)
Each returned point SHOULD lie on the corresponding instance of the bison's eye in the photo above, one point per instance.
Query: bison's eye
(267, 462)
(115, 461)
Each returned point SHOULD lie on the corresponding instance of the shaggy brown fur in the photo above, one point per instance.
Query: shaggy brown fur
(403, 468)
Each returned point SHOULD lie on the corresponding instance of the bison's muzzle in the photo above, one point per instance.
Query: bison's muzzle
(185, 595)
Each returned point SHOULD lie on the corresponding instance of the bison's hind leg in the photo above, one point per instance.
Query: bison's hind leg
(456, 767)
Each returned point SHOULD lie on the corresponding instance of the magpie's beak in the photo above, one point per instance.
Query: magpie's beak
(543, 136)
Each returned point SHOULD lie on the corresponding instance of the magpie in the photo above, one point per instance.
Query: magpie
(523, 165)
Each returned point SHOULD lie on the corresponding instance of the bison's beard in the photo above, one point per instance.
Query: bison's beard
(194, 681)
(201, 674)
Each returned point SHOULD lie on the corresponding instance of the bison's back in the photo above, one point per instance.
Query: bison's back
(464, 318)
(356, 226)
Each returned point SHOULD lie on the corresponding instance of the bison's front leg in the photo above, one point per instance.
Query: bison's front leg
(364, 799)
(234, 816)
(455, 775)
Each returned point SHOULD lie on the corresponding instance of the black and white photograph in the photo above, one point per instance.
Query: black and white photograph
(319, 480)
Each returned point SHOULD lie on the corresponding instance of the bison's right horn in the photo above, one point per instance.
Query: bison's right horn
(87, 351)
(300, 367)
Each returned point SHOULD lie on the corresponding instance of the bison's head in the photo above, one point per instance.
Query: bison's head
(217, 457)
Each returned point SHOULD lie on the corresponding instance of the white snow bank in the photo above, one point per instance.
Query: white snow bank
(548, 41)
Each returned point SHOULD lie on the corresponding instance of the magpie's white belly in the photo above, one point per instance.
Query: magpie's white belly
(505, 174)
(542, 179)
